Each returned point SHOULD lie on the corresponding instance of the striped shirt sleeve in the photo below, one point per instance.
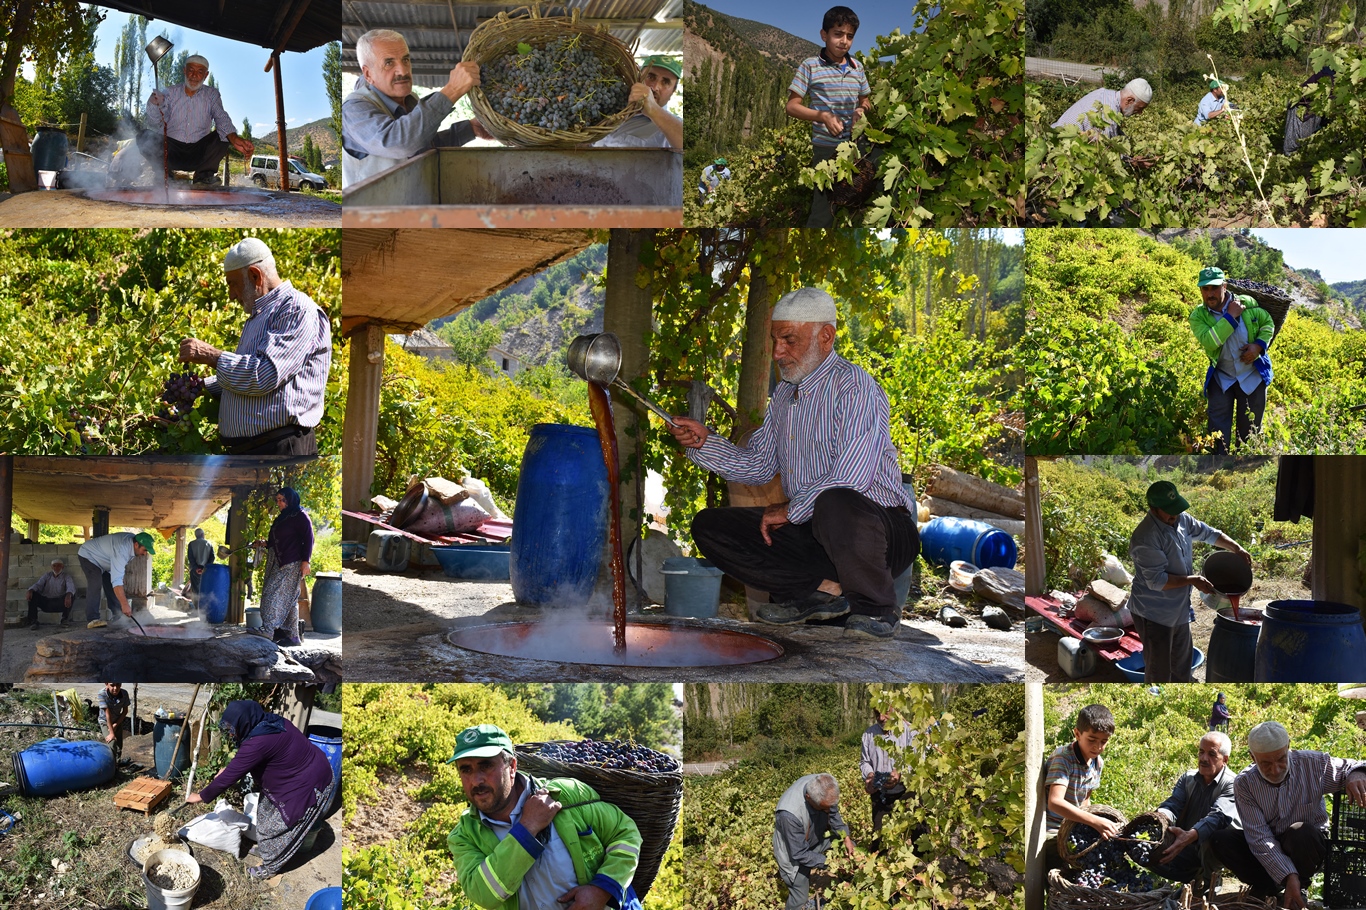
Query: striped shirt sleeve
(190, 117)
(753, 463)
(802, 80)
(862, 416)
(288, 340)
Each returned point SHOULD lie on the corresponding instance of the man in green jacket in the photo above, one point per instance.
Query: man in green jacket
(1235, 333)
(528, 844)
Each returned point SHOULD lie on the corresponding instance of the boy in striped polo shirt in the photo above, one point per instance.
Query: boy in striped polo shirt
(1073, 774)
(838, 89)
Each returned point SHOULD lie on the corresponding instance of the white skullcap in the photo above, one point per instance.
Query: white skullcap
(1268, 736)
(1140, 89)
(196, 58)
(247, 251)
(805, 305)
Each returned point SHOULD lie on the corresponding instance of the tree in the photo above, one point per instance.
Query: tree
(308, 152)
(245, 132)
(42, 32)
(332, 80)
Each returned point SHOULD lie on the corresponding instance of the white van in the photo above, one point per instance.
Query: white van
(265, 172)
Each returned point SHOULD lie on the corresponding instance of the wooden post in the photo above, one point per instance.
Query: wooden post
(178, 575)
(1035, 805)
(1036, 567)
(237, 519)
(360, 428)
(80, 134)
(1339, 528)
(280, 123)
(34, 529)
(6, 541)
(99, 521)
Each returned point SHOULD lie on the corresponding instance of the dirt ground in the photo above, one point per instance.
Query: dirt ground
(69, 209)
(70, 851)
(1041, 648)
(396, 626)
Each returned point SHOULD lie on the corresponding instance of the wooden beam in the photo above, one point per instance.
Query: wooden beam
(1339, 528)
(1035, 805)
(178, 574)
(288, 33)
(237, 520)
(6, 536)
(360, 428)
(1036, 567)
(280, 125)
(34, 529)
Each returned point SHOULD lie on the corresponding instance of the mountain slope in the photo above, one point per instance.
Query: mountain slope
(777, 45)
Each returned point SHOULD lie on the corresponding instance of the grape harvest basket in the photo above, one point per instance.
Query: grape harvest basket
(500, 36)
(1065, 895)
(1241, 900)
(1073, 857)
(652, 800)
(1271, 298)
(1146, 852)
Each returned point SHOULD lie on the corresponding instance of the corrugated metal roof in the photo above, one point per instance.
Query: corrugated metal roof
(260, 22)
(652, 26)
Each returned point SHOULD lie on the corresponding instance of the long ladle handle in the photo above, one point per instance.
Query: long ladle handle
(650, 405)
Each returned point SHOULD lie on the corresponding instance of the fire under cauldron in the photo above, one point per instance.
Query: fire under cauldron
(176, 196)
(647, 644)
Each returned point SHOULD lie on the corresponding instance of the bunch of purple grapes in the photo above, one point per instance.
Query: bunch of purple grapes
(1107, 866)
(180, 392)
(617, 755)
(1148, 834)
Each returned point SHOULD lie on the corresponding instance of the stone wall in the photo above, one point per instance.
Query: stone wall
(28, 562)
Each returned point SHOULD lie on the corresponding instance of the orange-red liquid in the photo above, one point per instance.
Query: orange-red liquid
(607, 438)
(1233, 601)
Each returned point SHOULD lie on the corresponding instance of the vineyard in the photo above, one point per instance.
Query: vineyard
(954, 843)
(401, 799)
(945, 129)
(1113, 366)
(92, 322)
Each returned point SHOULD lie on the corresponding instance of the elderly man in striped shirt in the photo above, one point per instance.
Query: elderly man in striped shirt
(1127, 102)
(272, 386)
(1280, 802)
(197, 129)
(846, 530)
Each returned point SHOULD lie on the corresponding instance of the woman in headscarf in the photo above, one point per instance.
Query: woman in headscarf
(289, 548)
(294, 775)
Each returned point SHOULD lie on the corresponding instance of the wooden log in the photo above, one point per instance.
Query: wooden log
(1002, 586)
(951, 509)
(946, 483)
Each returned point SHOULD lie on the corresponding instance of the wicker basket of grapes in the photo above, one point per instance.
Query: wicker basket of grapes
(1065, 895)
(645, 784)
(1145, 833)
(1273, 299)
(550, 82)
(1076, 840)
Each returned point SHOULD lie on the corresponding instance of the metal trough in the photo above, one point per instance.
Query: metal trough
(510, 188)
(192, 632)
(177, 196)
(647, 644)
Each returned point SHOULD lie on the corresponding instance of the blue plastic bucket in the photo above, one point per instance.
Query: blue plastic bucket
(213, 592)
(1307, 641)
(943, 540)
(164, 734)
(54, 766)
(692, 587)
(253, 617)
(1133, 666)
(560, 525)
(473, 561)
(326, 899)
(325, 611)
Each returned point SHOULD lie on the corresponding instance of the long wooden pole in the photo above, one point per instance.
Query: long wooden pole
(6, 541)
(170, 765)
(280, 123)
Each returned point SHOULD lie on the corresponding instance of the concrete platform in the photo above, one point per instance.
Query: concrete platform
(70, 209)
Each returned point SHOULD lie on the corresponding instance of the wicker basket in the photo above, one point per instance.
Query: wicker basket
(1278, 305)
(1146, 820)
(501, 35)
(651, 800)
(1241, 900)
(855, 192)
(1074, 859)
(1064, 895)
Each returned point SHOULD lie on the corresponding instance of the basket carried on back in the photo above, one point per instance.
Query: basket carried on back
(1065, 895)
(1156, 827)
(857, 189)
(1274, 300)
(1073, 857)
(652, 801)
(500, 36)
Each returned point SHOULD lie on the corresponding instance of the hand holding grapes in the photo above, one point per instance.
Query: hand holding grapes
(192, 350)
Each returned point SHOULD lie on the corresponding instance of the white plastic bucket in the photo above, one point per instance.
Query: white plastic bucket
(159, 898)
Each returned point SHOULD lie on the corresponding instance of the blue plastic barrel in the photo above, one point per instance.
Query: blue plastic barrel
(325, 611)
(326, 899)
(1307, 641)
(164, 734)
(943, 540)
(560, 525)
(329, 740)
(49, 149)
(213, 592)
(54, 766)
(1233, 647)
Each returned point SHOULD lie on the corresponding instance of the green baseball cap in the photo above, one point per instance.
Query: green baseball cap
(146, 540)
(720, 161)
(1162, 495)
(481, 741)
(664, 61)
(1212, 275)
(1215, 83)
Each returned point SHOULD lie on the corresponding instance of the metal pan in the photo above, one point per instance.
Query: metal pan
(1103, 634)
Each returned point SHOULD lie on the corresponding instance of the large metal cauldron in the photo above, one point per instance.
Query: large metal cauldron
(647, 644)
(177, 196)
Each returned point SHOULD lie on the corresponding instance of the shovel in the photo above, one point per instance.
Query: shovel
(597, 359)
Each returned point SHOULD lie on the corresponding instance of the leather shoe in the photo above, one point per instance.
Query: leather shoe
(815, 606)
(861, 625)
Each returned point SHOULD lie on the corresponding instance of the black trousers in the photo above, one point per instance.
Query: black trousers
(1304, 844)
(289, 441)
(884, 802)
(47, 605)
(849, 539)
(202, 157)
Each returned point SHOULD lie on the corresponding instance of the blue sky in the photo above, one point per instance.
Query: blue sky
(239, 69)
(803, 17)
(1339, 254)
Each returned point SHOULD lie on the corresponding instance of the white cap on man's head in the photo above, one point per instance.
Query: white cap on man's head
(806, 305)
(247, 251)
(1267, 736)
(196, 58)
(1140, 89)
